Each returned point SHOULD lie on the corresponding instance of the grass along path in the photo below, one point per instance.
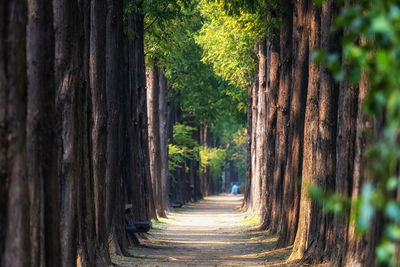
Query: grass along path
(212, 232)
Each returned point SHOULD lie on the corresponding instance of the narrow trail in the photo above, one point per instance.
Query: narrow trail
(212, 232)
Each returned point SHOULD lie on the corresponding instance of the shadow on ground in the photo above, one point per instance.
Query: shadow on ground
(212, 232)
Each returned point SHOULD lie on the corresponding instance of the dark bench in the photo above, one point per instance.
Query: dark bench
(177, 204)
(137, 227)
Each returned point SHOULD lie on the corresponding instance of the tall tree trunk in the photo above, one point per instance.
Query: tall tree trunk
(326, 144)
(3, 123)
(246, 198)
(67, 64)
(253, 111)
(97, 71)
(260, 167)
(163, 100)
(283, 107)
(153, 106)
(41, 148)
(87, 254)
(13, 174)
(293, 168)
(272, 97)
(310, 216)
(114, 49)
(205, 170)
(345, 152)
(361, 250)
(141, 188)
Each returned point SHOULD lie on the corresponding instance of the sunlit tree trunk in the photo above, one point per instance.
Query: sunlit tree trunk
(310, 212)
(326, 146)
(260, 140)
(272, 97)
(246, 198)
(283, 107)
(253, 111)
(293, 166)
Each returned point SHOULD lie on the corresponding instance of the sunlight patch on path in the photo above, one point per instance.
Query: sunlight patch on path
(212, 232)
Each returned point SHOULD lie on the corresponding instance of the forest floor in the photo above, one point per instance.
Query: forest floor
(212, 232)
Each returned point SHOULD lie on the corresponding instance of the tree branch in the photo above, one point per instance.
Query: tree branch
(154, 20)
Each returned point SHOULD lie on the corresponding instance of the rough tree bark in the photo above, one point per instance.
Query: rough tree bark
(345, 152)
(254, 94)
(67, 64)
(260, 167)
(41, 148)
(293, 169)
(153, 94)
(97, 71)
(272, 97)
(163, 100)
(321, 247)
(113, 53)
(86, 254)
(246, 198)
(13, 174)
(283, 107)
(361, 250)
(310, 212)
(141, 186)
(3, 123)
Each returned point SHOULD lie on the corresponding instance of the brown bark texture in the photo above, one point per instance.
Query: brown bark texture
(253, 184)
(163, 113)
(361, 250)
(15, 242)
(246, 197)
(260, 136)
(114, 92)
(153, 107)
(310, 215)
(283, 107)
(41, 140)
(142, 192)
(67, 71)
(293, 166)
(272, 97)
(97, 72)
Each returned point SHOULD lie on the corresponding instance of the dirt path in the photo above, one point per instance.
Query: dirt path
(210, 233)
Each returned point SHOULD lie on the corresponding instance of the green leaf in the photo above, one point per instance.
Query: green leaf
(385, 252)
(318, 56)
(393, 232)
(392, 211)
(366, 209)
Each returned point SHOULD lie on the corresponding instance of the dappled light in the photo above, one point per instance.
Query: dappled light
(199, 133)
(213, 232)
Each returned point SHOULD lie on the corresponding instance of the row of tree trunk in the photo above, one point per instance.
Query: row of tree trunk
(189, 182)
(73, 131)
(304, 129)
